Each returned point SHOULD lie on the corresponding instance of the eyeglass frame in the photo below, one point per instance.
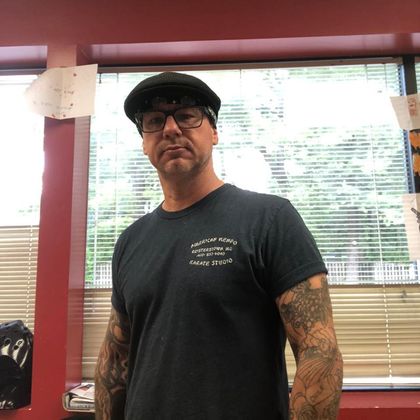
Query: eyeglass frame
(205, 111)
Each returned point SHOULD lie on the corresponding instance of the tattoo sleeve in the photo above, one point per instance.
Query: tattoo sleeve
(112, 369)
(307, 316)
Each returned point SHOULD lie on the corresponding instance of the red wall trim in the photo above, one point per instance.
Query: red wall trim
(158, 32)
(63, 22)
(222, 51)
(237, 50)
(23, 56)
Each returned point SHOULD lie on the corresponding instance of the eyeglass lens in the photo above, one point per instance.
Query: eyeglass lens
(190, 117)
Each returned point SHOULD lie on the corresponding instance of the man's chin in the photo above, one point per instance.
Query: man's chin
(177, 167)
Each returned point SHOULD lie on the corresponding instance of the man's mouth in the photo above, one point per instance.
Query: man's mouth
(174, 147)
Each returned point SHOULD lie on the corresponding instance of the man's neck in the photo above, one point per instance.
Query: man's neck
(180, 194)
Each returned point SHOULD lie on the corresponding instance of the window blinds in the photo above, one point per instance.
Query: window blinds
(18, 262)
(377, 330)
(324, 137)
(21, 163)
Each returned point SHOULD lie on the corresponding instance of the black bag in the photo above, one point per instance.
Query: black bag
(16, 343)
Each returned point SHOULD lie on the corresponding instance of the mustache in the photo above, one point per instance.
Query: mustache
(175, 145)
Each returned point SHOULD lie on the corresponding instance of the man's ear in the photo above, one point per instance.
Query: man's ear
(144, 147)
(215, 136)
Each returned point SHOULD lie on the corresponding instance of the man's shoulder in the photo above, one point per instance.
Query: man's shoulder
(133, 229)
(255, 199)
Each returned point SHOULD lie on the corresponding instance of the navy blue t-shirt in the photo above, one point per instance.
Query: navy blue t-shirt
(199, 288)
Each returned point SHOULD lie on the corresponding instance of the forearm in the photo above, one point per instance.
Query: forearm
(110, 389)
(112, 370)
(317, 386)
(307, 316)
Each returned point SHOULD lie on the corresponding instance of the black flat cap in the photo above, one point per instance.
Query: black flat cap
(169, 84)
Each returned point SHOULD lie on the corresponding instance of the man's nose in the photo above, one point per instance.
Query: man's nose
(171, 127)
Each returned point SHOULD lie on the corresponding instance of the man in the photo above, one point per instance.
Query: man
(207, 287)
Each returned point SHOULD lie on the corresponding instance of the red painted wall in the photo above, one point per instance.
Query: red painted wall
(25, 22)
(136, 31)
(64, 32)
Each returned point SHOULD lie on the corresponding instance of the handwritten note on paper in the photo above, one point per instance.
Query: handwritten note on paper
(407, 110)
(411, 205)
(67, 92)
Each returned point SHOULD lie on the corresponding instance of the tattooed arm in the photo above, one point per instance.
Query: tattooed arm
(307, 316)
(111, 369)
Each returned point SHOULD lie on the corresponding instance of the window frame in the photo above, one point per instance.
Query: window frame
(101, 303)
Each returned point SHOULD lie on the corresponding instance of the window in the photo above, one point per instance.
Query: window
(326, 138)
(21, 164)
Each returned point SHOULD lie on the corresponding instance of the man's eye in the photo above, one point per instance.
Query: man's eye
(188, 115)
(156, 120)
(153, 119)
(184, 116)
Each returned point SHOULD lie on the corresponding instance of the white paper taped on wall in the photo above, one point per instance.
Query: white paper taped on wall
(411, 205)
(407, 110)
(64, 92)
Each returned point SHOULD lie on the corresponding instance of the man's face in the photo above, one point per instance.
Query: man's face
(174, 151)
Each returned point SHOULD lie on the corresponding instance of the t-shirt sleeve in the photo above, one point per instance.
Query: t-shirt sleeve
(290, 251)
(117, 298)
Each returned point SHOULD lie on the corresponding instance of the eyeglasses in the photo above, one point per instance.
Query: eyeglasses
(185, 117)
